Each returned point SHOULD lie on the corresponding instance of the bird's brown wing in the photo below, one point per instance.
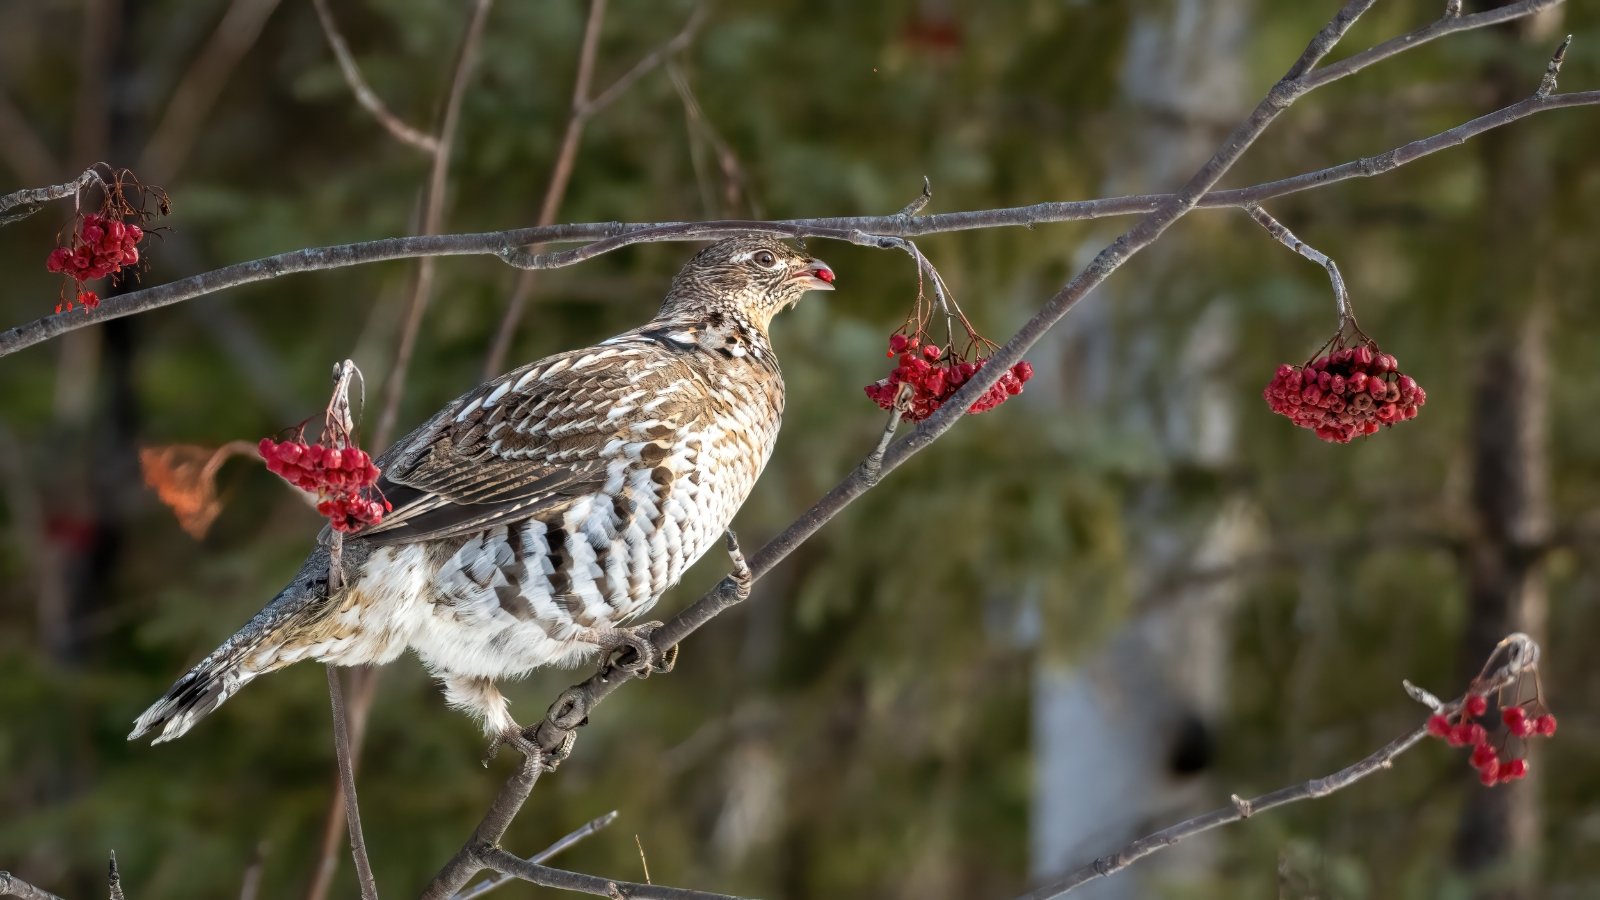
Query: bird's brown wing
(531, 441)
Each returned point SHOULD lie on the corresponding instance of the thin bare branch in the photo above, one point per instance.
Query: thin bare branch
(35, 197)
(1341, 295)
(12, 886)
(510, 864)
(347, 782)
(114, 878)
(1514, 656)
(365, 95)
(432, 221)
(1552, 70)
(466, 862)
(201, 85)
(649, 62)
(593, 826)
(582, 110)
(556, 188)
(498, 243)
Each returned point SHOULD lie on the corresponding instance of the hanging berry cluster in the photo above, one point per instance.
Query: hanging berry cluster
(1524, 720)
(103, 244)
(340, 474)
(929, 372)
(933, 374)
(1345, 392)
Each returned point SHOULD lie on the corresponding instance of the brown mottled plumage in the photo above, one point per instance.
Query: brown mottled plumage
(539, 512)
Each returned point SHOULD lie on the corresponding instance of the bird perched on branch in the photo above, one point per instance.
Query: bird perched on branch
(538, 513)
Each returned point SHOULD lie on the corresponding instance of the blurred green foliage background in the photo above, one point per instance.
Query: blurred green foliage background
(864, 726)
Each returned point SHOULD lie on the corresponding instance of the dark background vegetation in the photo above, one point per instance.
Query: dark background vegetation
(864, 726)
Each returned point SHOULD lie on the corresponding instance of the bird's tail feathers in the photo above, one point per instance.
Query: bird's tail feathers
(231, 666)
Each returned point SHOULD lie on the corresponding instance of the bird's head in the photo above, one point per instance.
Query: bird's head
(756, 276)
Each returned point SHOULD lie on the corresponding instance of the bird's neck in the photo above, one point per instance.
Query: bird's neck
(726, 332)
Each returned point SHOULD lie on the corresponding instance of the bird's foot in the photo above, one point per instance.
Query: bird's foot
(632, 651)
(524, 741)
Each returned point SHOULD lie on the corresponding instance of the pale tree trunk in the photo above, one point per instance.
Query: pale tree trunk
(1122, 739)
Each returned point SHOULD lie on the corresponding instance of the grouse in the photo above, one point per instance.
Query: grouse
(538, 513)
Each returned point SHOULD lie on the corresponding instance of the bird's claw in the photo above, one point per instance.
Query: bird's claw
(632, 651)
(523, 739)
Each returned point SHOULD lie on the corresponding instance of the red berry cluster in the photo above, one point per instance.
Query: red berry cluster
(1345, 393)
(343, 479)
(100, 246)
(1464, 732)
(935, 375)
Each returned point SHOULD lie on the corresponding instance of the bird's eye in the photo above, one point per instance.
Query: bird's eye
(765, 259)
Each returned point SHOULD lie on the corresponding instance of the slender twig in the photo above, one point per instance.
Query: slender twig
(495, 243)
(511, 864)
(1552, 69)
(650, 61)
(114, 878)
(12, 886)
(365, 95)
(582, 109)
(432, 220)
(1341, 296)
(589, 828)
(556, 188)
(347, 783)
(200, 87)
(1515, 655)
(34, 197)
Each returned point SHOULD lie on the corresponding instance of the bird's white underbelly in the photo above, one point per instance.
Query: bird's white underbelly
(501, 606)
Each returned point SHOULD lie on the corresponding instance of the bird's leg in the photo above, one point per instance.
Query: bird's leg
(483, 700)
(630, 649)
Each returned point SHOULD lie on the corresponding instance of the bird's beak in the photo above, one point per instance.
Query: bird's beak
(815, 275)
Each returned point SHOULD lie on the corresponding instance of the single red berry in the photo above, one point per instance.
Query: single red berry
(1477, 705)
(1513, 716)
(1484, 757)
(1460, 735)
(1545, 725)
(1512, 769)
(1489, 777)
(1438, 726)
(89, 299)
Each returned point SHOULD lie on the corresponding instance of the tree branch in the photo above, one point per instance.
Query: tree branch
(347, 783)
(432, 220)
(365, 95)
(1520, 655)
(12, 886)
(510, 864)
(499, 243)
(582, 110)
(36, 197)
(593, 826)
(1341, 294)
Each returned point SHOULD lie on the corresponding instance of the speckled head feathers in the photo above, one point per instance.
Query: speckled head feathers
(756, 276)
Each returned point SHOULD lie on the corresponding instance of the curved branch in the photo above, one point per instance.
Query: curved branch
(364, 94)
(1520, 654)
(501, 243)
